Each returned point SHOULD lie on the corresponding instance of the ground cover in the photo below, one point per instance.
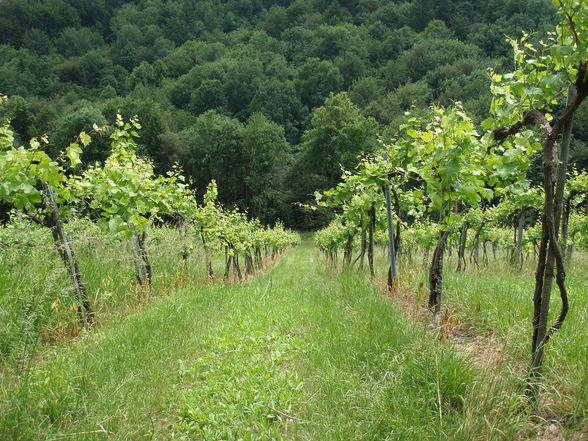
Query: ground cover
(487, 315)
(300, 352)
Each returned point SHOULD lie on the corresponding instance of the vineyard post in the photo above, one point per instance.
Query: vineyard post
(391, 251)
(372, 229)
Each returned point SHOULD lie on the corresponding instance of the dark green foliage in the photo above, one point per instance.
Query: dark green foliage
(338, 133)
(171, 61)
(279, 101)
(18, 111)
(315, 79)
(75, 42)
(266, 155)
(72, 123)
(209, 95)
(148, 75)
(22, 72)
(241, 80)
(16, 17)
(211, 149)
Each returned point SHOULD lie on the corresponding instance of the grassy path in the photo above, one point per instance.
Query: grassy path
(298, 353)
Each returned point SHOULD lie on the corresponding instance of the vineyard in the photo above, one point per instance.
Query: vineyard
(443, 298)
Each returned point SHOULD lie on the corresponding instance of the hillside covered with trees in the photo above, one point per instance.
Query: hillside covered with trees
(268, 98)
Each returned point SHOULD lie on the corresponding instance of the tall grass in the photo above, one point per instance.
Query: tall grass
(298, 353)
(37, 303)
(496, 301)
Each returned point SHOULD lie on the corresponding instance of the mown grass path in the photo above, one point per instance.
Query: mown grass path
(298, 353)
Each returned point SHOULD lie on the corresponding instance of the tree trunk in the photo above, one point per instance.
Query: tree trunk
(436, 268)
(398, 230)
(258, 259)
(392, 245)
(67, 254)
(569, 252)
(567, 209)
(248, 264)
(519, 225)
(565, 221)
(485, 252)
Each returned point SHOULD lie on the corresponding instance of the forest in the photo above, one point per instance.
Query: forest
(269, 97)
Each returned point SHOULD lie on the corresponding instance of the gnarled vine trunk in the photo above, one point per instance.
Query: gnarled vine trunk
(249, 269)
(463, 236)
(207, 259)
(66, 252)
(363, 245)
(550, 253)
(519, 228)
(236, 266)
(145, 256)
(392, 245)
(141, 260)
(436, 268)
(436, 273)
(475, 255)
(184, 236)
(348, 251)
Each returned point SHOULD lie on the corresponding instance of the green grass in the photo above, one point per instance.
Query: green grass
(298, 353)
(497, 300)
(37, 303)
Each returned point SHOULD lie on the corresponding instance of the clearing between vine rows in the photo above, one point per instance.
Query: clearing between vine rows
(298, 353)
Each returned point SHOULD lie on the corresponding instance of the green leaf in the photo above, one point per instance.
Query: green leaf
(427, 136)
(73, 153)
(412, 133)
(85, 138)
(114, 224)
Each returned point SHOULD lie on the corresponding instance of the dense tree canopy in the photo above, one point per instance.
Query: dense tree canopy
(210, 80)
